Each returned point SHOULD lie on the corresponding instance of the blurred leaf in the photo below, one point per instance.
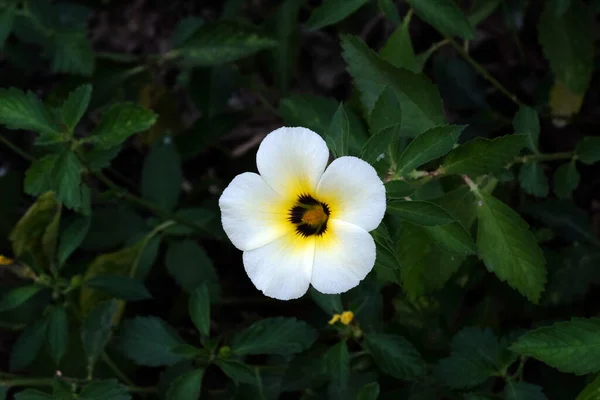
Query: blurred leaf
(563, 102)
(395, 355)
(278, 335)
(204, 133)
(329, 303)
(201, 217)
(221, 42)
(332, 11)
(285, 54)
(199, 309)
(119, 122)
(508, 248)
(20, 110)
(96, 329)
(111, 227)
(121, 287)
(566, 43)
(566, 179)
(475, 356)
(185, 28)
(3, 392)
(162, 175)
(337, 362)
(425, 266)
(369, 392)
(72, 237)
(73, 53)
(75, 106)
(338, 134)
(105, 390)
(523, 391)
(187, 386)
(526, 122)
(28, 345)
(149, 341)
(6, 24)
(190, 266)
(211, 89)
(238, 371)
(458, 82)
(419, 212)
(481, 10)
(533, 180)
(419, 99)
(57, 334)
(572, 346)
(453, 238)
(32, 394)
(482, 156)
(588, 150)
(398, 49)
(428, 146)
(445, 16)
(18, 296)
(305, 370)
(591, 391)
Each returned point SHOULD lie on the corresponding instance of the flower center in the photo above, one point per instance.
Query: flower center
(309, 215)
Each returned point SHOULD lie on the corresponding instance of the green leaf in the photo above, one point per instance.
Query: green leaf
(149, 341)
(278, 335)
(523, 391)
(184, 29)
(187, 386)
(19, 110)
(483, 156)
(399, 51)
(533, 180)
(6, 24)
(369, 392)
(199, 309)
(475, 356)
(105, 390)
(27, 347)
(96, 329)
(332, 11)
(428, 146)
(386, 114)
(419, 98)
(453, 238)
(18, 296)
(57, 334)
(38, 178)
(162, 175)
(398, 189)
(591, 391)
(66, 180)
(395, 355)
(445, 16)
(32, 394)
(426, 267)
(73, 53)
(190, 266)
(566, 179)
(588, 150)
(119, 122)
(97, 159)
(572, 346)
(508, 248)
(420, 212)
(526, 122)
(284, 56)
(239, 372)
(72, 237)
(337, 363)
(221, 42)
(566, 44)
(330, 303)
(121, 287)
(75, 106)
(338, 134)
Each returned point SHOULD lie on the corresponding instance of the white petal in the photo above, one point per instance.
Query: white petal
(252, 213)
(292, 160)
(282, 269)
(344, 256)
(354, 192)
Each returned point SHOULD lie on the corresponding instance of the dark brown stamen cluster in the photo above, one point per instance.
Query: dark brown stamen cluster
(298, 213)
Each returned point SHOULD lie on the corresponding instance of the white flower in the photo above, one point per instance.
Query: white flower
(300, 223)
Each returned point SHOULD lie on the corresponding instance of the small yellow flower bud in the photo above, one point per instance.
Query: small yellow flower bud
(6, 260)
(347, 317)
(334, 319)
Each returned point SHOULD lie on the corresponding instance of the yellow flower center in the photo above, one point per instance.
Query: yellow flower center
(309, 215)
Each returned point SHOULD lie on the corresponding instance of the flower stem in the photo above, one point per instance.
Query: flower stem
(16, 149)
(484, 72)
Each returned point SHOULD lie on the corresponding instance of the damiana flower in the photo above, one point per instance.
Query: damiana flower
(301, 222)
